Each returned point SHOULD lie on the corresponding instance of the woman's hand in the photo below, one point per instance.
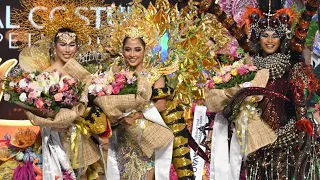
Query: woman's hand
(129, 120)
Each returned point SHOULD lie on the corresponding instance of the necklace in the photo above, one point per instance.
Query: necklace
(277, 64)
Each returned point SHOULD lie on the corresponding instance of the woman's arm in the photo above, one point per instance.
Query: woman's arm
(161, 103)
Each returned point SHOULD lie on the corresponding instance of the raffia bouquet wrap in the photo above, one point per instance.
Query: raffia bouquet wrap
(115, 106)
(259, 134)
(81, 151)
(148, 135)
(65, 116)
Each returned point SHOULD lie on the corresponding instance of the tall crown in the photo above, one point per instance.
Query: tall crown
(149, 24)
(269, 17)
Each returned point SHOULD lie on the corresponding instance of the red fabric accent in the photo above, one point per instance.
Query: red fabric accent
(305, 125)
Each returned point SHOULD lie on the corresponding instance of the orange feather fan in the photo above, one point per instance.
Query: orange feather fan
(247, 14)
(292, 14)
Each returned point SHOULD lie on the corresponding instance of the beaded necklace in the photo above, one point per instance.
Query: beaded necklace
(277, 64)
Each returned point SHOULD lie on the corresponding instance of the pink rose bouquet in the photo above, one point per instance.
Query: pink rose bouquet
(109, 83)
(47, 91)
(231, 75)
(119, 93)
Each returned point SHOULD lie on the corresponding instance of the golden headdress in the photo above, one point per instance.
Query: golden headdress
(137, 22)
(43, 19)
(46, 17)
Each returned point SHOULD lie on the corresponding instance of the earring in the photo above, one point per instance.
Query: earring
(284, 48)
(52, 54)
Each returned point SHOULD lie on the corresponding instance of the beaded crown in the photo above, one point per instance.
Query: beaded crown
(279, 20)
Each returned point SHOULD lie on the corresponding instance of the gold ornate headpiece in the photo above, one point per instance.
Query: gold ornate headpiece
(137, 22)
(46, 17)
(67, 37)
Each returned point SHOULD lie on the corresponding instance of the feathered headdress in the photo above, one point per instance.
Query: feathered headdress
(258, 21)
(270, 17)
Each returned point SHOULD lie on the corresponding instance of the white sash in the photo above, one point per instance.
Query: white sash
(200, 119)
(219, 166)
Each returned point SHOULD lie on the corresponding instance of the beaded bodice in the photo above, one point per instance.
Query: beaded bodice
(274, 109)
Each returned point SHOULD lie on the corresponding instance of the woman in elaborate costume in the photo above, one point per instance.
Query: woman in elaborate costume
(56, 50)
(292, 152)
(141, 144)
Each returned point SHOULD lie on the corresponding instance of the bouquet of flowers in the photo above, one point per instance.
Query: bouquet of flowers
(231, 75)
(229, 79)
(43, 93)
(109, 83)
(119, 93)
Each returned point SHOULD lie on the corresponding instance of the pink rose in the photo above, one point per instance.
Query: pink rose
(39, 103)
(120, 77)
(58, 97)
(116, 90)
(120, 84)
(64, 88)
(109, 90)
(101, 93)
(32, 95)
(226, 77)
(71, 81)
(242, 70)
(252, 68)
(210, 84)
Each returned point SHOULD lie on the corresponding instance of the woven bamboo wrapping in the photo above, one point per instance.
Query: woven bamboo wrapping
(259, 134)
(90, 151)
(153, 136)
(217, 99)
(115, 105)
(62, 119)
(36, 111)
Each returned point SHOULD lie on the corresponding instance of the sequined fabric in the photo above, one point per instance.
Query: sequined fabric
(273, 109)
(294, 154)
(132, 163)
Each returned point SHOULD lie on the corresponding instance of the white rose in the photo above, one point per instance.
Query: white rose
(91, 88)
(31, 76)
(6, 97)
(23, 83)
(12, 83)
(99, 88)
(23, 97)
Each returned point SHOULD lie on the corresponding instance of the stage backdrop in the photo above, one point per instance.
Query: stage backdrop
(8, 51)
